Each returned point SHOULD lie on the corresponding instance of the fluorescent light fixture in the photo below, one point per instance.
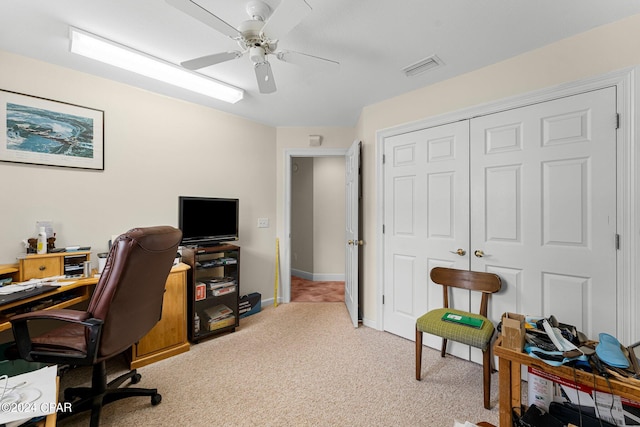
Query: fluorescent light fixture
(100, 49)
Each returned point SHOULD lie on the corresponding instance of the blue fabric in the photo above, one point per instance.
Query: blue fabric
(609, 351)
(532, 350)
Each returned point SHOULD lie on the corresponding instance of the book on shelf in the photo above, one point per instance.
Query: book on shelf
(222, 323)
(221, 282)
(223, 291)
(217, 262)
(218, 312)
(201, 291)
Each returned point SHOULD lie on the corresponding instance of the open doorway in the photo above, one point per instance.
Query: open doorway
(351, 242)
(317, 229)
(285, 243)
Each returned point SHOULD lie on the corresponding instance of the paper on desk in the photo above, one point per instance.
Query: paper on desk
(31, 284)
(63, 283)
(28, 395)
(17, 287)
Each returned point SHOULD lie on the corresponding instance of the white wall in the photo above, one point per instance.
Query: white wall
(601, 50)
(156, 148)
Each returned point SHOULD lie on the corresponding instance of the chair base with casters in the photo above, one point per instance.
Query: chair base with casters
(481, 337)
(100, 393)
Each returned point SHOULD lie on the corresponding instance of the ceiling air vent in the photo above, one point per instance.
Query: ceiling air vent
(422, 66)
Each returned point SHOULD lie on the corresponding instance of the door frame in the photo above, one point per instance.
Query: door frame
(289, 154)
(627, 84)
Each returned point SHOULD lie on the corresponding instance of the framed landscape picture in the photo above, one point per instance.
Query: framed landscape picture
(41, 131)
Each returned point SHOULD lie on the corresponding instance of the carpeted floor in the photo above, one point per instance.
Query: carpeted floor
(303, 290)
(300, 364)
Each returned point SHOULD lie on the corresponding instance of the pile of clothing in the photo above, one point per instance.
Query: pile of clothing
(558, 344)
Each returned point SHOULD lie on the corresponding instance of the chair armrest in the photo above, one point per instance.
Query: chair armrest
(59, 314)
(19, 324)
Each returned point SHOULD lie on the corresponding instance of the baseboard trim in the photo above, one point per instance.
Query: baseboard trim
(318, 277)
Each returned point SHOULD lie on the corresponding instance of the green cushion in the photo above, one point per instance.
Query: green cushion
(432, 323)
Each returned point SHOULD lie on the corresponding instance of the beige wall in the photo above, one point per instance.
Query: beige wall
(318, 217)
(592, 53)
(302, 217)
(148, 135)
(156, 148)
(329, 215)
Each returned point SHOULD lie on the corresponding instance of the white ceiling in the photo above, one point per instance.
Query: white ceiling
(372, 39)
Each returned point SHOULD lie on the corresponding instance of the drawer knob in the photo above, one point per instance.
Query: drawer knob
(42, 268)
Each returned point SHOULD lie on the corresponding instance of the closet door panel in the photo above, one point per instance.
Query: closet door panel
(554, 220)
(426, 217)
(503, 217)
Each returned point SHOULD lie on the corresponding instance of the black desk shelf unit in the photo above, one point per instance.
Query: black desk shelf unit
(213, 285)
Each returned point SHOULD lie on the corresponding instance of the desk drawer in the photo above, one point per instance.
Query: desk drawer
(39, 268)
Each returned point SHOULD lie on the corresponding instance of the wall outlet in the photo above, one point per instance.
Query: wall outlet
(263, 222)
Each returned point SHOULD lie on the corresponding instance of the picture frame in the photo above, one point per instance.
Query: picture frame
(41, 131)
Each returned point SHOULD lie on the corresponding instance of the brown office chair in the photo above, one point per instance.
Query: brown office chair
(480, 337)
(125, 305)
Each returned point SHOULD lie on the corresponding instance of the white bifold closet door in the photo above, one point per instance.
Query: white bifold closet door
(528, 194)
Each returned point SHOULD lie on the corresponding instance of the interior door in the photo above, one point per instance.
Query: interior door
(426, 222)
(352, 179)
(543, 198)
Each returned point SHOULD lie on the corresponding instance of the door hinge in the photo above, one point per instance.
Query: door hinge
(618, 121)
(384, 158)
(382, 299)
(618, 241)
(382, 228)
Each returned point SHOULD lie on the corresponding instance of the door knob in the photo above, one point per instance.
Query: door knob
(349, 242)
(355, 242)
(460, 252)
(479, 253)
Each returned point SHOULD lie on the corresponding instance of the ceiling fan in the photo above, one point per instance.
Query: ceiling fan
(258, 37)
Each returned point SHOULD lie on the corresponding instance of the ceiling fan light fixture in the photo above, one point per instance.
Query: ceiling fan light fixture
(109, 52)
(422, 66)
(257, 54)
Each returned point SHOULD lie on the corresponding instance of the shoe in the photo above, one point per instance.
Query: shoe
(609, 351)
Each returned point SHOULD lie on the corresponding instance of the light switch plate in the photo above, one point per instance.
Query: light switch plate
(263, 222)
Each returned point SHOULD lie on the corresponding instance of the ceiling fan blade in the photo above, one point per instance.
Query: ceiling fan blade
(266, 83)
(203, 15)
(306, 60)
(207, 60)
(285, 17)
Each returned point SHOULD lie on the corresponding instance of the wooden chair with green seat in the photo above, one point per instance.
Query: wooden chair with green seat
(432, 322)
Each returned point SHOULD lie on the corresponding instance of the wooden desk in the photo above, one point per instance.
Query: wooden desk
(169, 336)
(166, 339)
(78, 291)
(510, 362)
